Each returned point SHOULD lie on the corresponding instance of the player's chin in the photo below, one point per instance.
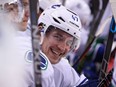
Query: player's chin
(55, 60)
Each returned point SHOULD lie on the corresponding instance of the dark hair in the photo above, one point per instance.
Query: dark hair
(50, 29)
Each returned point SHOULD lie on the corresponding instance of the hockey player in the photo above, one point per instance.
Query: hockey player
(11, 64)
(59, 35)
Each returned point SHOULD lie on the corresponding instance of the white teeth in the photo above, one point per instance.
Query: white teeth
(55, 52)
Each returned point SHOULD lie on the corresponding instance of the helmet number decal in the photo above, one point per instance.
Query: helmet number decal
(74, 17)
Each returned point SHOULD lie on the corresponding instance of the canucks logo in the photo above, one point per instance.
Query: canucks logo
(44, 62)
(29, 56)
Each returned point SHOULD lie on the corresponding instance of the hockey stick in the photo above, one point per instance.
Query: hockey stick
(107, 80)
(79, 62)
(98, 16)
(106, 57)
(35, 42)
(92, 35)
(109, 45)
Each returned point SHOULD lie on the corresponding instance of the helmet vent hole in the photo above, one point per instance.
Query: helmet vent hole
(56, 20)
(61, 19)
(67, 29)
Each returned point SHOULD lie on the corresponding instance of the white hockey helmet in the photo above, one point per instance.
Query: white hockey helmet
(62, 18)
(81, 8)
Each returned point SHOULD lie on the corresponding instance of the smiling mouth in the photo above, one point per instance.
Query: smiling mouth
(56, 53)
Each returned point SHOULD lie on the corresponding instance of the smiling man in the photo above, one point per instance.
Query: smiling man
(60, 34)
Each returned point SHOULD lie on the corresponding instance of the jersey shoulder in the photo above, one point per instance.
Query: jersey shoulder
(45, 65)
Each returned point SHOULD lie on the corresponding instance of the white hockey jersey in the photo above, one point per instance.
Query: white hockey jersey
(66, 76)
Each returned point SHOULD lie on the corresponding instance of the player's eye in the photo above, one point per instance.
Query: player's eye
(58, 37)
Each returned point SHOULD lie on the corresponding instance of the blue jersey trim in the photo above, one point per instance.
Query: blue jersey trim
(82, 82)
(43, 63)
